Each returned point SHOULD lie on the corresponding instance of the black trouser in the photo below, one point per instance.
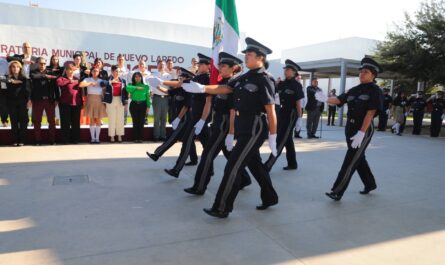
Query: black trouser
(286, 124)
(174, 136)
(313, 117)
(70, 123)
(19, 119)
(216, 143)
(3, 106)
(355, 159)
(138, 109)
(331, 114)
(188, 142)
(246, 152)
(417, 121)
(172, 112)
(383, 121)
(436, 123)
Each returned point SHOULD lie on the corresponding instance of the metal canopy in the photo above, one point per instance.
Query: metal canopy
(339, 67)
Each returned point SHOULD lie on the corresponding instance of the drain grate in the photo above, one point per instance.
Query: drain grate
(68, 180)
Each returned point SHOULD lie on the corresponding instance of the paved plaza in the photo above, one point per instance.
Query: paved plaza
(109, 204)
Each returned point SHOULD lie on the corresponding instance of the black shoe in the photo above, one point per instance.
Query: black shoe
(20, 144)
(191, 163)
(38, 143)
(367, 190)
(155, 140)
(399, 134)
(163, 139)
(191, 190)
(328, 124)
(332, 124)
(172, 172)
(153, 157)
(289, 168)
(333, 196)
(264, 206)
(215, 213)
(315, 137)
(298, 136)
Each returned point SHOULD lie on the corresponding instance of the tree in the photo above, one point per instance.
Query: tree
(416, 48)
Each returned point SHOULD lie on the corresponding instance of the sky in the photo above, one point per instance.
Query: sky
(279, 24)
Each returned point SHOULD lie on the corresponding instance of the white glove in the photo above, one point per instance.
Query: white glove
(443, 117)
(388, 112)
(273, 144)
(154, 81)
(320, 96)
(193, 87)
(198, 126)
(277, 99)
(298, 124)
(229, 142)
(357, 139)
(406, 114)
(175, 123)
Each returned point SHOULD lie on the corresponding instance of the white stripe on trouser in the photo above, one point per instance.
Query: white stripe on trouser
(271, 161)
(173, 137)
(115, 112)
(233, 173)
(356, 156)
(209, 158)
(188, 144)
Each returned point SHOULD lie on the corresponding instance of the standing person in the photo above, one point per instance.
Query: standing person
(332, 108)
(194, 66)
(123, 73)
(140, 101)
(365, 101)
(418, 105)
(27, 60)
(3, 89)
(115, 98)
(44, 97)
(437, 114)
(173, 76)
(18, 101)
(384, 115)
(55, 69)
(70, 104)
(313, 108)
(99, 64)
(253, 99)
(290, 94)
(170, 69)
(222, 129)
(400, 112)
(94, 108)
(160, 103)
(200, 110)
(183, 118)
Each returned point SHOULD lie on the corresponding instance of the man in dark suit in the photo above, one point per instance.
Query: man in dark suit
(313, 108)
(26, 59)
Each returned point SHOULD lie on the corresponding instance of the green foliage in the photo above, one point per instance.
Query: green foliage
(416, 48)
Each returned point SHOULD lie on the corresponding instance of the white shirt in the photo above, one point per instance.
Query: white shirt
(26, 66)
(94, 90)
(172, 73)
(164, 76)
(77, 73)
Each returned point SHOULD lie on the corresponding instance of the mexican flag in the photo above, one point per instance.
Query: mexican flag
(225, 34)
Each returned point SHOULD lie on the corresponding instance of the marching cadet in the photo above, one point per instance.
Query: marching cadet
(438, 113)
(384, 115)
(365, 101)
(200, 108)
(223, 119)
(183, 118)
(290, 93)
(253, 98)
(418, 105)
